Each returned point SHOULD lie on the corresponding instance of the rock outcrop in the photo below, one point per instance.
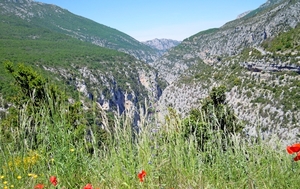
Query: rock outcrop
(162, 45)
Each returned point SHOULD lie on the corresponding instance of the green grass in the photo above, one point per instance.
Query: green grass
(42, 142)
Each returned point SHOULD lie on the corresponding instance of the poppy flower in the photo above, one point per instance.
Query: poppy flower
(293, 149)
(297, 158)
(53, 180)
(141, 175)
(88, 186)
(39, 186)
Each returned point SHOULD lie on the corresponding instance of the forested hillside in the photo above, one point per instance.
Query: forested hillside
(56, 19)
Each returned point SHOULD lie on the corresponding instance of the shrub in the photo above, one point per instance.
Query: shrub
(214, 117)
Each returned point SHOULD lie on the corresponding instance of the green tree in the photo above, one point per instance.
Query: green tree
(30, 84)
(214, 117)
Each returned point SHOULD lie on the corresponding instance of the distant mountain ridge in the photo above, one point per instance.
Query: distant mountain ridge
(61, 20)
(162, 45)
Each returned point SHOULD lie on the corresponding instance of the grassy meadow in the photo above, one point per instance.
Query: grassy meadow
(45, 135)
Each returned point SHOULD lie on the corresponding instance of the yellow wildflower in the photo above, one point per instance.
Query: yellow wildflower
(19, 177)
(12, 186)
(72, 149)
(26, 162)
(2, 177)
(5, 182)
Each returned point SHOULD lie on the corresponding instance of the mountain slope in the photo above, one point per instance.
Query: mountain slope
(114, 79)
(249, 31)
(256, 57)
(56, 19)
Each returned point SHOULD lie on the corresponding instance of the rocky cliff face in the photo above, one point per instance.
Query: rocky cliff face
(262, 85)
(162, 45)
(106, 88)
(266, 101)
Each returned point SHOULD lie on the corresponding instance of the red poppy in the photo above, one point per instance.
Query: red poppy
(39, 186)
(88, 186)
(141, 175)
(297, 158)
(294, 148)
(53, 180)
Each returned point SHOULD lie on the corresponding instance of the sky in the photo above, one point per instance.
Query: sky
(149, 19)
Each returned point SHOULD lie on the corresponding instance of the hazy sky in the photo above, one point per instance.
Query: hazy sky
(149, 19)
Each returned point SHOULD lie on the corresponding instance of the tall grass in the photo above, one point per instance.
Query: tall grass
(43, 144)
